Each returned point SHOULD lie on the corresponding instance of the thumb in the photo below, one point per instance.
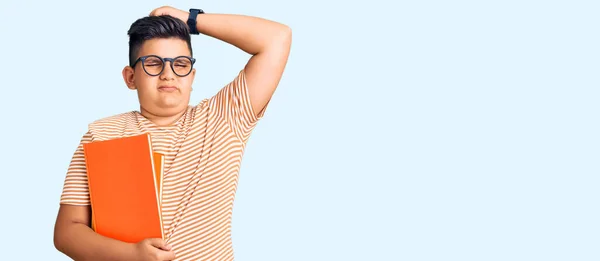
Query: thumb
(160, 243)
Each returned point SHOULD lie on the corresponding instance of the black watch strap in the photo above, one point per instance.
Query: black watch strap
(191, 22)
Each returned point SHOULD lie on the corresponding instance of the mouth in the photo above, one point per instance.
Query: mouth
(165, 88)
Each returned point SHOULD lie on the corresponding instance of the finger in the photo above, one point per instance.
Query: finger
(167, 255)
(166, 247)
(159, 243)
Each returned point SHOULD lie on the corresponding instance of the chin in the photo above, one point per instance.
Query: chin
(170, 103)
(170, 106)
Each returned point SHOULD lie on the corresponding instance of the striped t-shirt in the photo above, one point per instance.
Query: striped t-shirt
(203, 151)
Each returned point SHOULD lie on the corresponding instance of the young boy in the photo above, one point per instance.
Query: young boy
(203, 144)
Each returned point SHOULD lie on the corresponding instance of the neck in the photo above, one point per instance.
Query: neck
(162, 119)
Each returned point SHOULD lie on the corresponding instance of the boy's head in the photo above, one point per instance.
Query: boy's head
(163, 87)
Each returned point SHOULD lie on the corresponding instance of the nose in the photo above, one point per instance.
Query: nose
(167, 71)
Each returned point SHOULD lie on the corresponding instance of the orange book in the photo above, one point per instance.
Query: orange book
(123, 187)
(159, 162)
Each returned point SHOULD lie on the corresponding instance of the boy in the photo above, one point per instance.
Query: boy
(203, 144)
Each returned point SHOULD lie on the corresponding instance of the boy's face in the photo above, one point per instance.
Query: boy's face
(155, 93)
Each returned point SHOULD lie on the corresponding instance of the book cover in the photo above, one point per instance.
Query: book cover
(124, 191)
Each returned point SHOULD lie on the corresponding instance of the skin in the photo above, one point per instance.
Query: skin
(266, 41)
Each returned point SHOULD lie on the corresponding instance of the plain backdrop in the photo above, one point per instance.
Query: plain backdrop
(401, 130)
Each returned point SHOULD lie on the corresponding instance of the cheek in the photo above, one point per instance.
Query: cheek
(145, 83)
(142, 78)
(186, 83)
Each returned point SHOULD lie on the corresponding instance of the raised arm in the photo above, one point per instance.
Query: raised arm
(267, 41)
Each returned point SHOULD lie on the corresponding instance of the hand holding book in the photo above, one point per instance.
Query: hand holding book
(153, 249)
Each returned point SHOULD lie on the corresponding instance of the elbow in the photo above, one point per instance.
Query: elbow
(61, 237)
(279, 38)
(61, 243)
(282, 40)
(286, 34)
(58, 243)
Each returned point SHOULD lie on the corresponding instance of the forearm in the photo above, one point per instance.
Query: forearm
(81, 243)
(250, 34)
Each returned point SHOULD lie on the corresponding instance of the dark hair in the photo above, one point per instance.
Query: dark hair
(152, 27)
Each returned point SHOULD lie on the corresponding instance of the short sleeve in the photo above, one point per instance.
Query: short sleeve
(232, 102)
(75, 188)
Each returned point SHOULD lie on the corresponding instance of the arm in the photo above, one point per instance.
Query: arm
(72, 233)
(74, 237)
(268, 42)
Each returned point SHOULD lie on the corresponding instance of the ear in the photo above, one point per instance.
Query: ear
(128, 77)
(193, 74)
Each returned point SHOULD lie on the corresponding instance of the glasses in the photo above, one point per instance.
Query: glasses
(154, 65)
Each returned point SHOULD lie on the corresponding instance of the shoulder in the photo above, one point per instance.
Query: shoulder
(115, 119)
(113, 126)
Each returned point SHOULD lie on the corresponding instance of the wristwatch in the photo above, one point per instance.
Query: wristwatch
(191, 22)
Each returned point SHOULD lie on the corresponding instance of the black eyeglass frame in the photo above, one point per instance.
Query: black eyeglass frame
(164, 61)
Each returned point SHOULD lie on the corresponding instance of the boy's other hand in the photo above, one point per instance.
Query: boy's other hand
(153, 249)
(167, 10)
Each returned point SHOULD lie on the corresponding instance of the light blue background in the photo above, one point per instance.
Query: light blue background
(412, 130)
